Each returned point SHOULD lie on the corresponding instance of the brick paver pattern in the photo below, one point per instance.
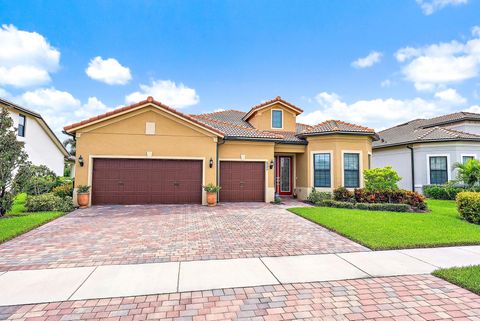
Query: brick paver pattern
(403, 298)
(105, 235)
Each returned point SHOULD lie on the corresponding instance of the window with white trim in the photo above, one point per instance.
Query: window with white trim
(322, 170)
(467, 158)
(21, 125)
(277, 119)
(438, 170)
(351, 170)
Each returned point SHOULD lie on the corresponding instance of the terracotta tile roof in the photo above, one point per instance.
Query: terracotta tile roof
(427, 130)
(229, 115)
(336, 126)
(143, 102)
(268, 102)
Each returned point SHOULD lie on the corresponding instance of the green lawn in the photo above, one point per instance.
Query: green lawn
(467, 277)
(17, 222)
(389, 230)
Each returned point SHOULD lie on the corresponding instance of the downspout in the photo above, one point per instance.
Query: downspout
(412, 167)
(218, 167)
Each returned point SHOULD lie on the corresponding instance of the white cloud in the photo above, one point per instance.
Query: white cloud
(476, 31)
(450, 95)
(474, 109)
(26, 58)
(376, 113)
(167, 92)
(386, 83)
(109, 71)
(368, 61)
(440, 64)
(60, 108)
(430, 6)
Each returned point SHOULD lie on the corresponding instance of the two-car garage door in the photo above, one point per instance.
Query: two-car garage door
(146, 181)
(165, 181)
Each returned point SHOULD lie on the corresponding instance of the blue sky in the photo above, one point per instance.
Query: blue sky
(417, 58)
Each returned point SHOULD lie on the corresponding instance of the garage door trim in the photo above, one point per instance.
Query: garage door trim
(265, 161)
(91, 160)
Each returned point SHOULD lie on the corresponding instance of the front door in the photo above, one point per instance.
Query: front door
(283, 173)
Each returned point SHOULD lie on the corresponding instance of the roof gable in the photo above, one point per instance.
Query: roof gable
(336, 127)
(142, 104)
(276, 100)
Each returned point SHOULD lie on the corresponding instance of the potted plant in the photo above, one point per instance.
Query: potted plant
(83, 195)
(212, 191)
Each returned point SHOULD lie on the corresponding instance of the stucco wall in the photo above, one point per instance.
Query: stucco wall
(467, 126)
(399, 158)
(336, 145)
(263, 118)
(251, 151)
(39, 146)
(124, 136)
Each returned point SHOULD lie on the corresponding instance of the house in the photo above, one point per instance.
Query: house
(423, 151)
(41, 144)
(151, 153)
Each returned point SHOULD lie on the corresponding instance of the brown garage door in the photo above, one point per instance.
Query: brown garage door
(146, 181)
(242, 181)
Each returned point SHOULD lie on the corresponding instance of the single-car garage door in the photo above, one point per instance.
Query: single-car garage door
(146, 181)
(242, 181)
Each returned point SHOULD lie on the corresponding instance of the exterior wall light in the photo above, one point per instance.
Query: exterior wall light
(80, 161)
(271, 164)
(211, 163)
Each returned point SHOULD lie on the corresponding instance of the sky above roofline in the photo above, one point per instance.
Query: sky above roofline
(374, 63)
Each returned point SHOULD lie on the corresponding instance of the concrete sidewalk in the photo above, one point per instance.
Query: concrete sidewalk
(39, 286)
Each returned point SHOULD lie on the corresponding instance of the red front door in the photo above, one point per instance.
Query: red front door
(283, 175)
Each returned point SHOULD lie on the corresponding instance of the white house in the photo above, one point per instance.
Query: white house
(41, 144)
(423, 151)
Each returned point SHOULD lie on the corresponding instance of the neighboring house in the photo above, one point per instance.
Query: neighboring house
(423, 151)
(41, 144)
(151, 153)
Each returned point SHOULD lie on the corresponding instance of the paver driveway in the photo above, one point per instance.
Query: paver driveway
(159, 233)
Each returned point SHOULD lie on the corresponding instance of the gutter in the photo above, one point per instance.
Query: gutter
(412, 166)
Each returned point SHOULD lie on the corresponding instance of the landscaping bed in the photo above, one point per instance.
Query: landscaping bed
(466, 277)
(381, 230)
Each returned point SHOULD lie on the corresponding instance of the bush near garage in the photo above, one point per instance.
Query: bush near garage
(48, 202)
(367, 206)
(63, 190)
(468, 205)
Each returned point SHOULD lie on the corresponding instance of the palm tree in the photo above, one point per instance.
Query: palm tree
(468, 172)
(70, 145)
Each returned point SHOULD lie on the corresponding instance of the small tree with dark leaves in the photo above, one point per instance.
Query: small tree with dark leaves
(12, 156)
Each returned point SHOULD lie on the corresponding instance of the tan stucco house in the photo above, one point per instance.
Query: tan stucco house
(151, 153)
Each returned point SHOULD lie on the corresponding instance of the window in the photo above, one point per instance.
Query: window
(438, 170)
(321, 170)
(467, 158)
(369, 161)
(21, 125)
(351, 170)
(277, 116)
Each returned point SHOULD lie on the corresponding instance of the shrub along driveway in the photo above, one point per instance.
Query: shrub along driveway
(160, 233)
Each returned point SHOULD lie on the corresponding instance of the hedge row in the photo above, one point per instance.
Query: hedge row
(445, 192)
(366, 206)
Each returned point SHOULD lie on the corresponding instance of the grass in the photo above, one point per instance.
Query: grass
(389, 230)
(17, 222)
(466, 277)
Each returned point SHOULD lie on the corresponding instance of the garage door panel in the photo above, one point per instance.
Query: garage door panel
(146, 181)
(242, 181)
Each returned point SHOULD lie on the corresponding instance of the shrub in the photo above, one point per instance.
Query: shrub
(48, 202)
(367, 206)
(469, 172)
(316, 196)
(415, 200)
(338, 204)
(342, 194)
(381, 179)
(63, 190)
(35, 180)
(210, 188)
(83, 189)
(468, 205)
(445, 192)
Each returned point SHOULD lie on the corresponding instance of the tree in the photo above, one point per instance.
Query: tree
(12, 156)
(70, 145)
(469, 172)
(381, 179)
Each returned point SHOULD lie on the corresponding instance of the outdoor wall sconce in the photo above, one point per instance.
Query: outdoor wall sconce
(211, 163)
(80, 161)
(271, 164)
